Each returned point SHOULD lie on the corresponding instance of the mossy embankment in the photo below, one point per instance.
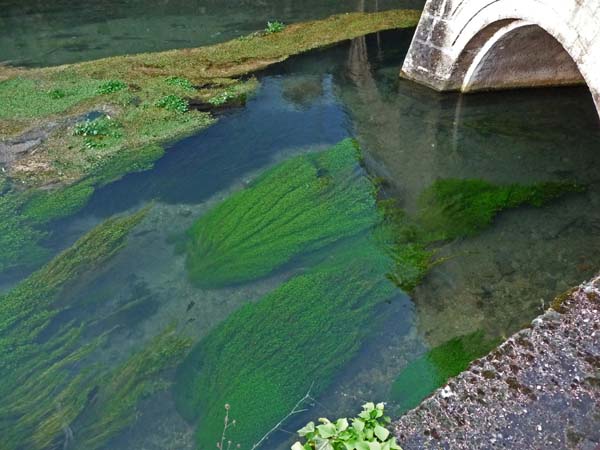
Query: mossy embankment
(50, 384)
(110, 117)
(320, 210)
(140, 92)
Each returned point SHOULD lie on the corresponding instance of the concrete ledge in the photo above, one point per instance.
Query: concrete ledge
(538, 390)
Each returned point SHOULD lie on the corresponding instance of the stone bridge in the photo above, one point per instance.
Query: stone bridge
(474, 45)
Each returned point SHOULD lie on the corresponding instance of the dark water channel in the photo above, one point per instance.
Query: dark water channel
(41, 33)
(493, 282)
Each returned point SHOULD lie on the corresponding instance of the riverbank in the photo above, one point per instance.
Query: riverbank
(66, 131)
(540, 389)
(149, 99)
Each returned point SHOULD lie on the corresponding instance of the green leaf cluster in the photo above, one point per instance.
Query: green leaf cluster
(264, 356)
(173, 102)
(223, 97)
(366, 432)
(274, 27)
(181, 82)
(111, 86)
(98, 132)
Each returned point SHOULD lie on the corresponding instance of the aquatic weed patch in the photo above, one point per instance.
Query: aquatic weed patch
(48, 383)
(264, 357)
(453, 208)
(431, 370)
(299, 206)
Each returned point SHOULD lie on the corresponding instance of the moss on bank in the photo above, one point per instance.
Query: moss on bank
(131, 87)
(301, 205)
(430, 371)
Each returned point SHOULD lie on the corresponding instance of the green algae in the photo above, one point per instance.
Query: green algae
(432, 370)
(20, 242)
(263, 358)
(40, 394)
(23, 216)
(299, 206)
(453, 208)
(45, 206)
(121, 390)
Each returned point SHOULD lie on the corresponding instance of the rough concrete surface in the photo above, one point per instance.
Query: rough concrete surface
(538, 390)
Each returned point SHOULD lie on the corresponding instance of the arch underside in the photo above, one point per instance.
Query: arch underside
(470, 45)
(517, 55)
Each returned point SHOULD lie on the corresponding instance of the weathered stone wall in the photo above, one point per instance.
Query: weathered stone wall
(473, 45)
(538, 390)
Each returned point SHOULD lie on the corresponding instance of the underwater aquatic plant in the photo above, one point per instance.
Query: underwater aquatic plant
(452, 208)
(40, 393)
(299, 206)
(431, 370)
(266, 355)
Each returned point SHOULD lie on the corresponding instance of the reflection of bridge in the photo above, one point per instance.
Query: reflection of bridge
(471, 45)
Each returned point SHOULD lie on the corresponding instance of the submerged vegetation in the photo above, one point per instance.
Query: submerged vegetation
(48, 384)
(264, 357)
(269, 352)
(453, 208)
(301, 205)
(430, 371)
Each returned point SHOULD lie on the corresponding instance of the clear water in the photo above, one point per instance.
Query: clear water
(496, 281)
(37, 33)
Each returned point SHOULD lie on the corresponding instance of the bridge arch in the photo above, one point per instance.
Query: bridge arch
(471, 45)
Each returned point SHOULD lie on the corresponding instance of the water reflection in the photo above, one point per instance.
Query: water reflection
(411, 137)
(34, 32)
(500, 279)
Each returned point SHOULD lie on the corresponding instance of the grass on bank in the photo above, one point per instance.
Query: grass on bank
(143, 103)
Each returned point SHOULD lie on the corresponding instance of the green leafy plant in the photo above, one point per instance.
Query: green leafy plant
(223, 98)
(173, 103)
(97, 132)
(180, 82)
(274, 27)
(111, 86)
(57, 94)
(367, 432)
